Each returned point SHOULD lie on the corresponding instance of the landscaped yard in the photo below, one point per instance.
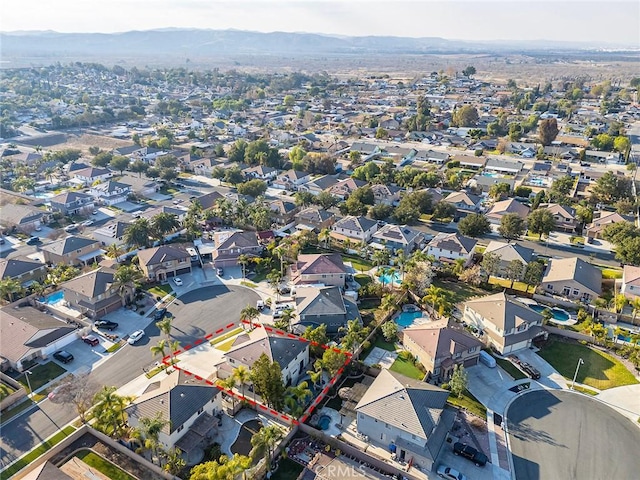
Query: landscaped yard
(288, 470)
(41, 375)
(379, 342)
(510, 368)
(363, 279)
(506, 283)
(407, 368)
(160, 290)
(460, 292)
(103, 466)
(5, 390)
(468, 401)
(227, 335)
(599, 370)
(359, 264)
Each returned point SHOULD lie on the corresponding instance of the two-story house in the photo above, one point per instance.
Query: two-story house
(87, 176)
(406, 414)
(317, 185)
(508, 252)
(95, 293)
(24, 218)
(23, 270)
(291, 180)
(600, 221)
(464, 202)
(314, 218)
(111, 233)
(317, 306)
(397, 237)
(229, 245)
(346, 187)
(572, 278)
(439, 348)
(110, 192)
(260, 172)
(450, 247)
(506, 323)
(72, 203)
(283, 212)
(386, 194)
(630, 281)
(327, 269)
(564, 216)
(142, 187)
(164, 262)
(354, 229)
(72, 250)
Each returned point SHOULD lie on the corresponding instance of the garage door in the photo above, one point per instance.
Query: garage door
(470, 362)
(184, 271)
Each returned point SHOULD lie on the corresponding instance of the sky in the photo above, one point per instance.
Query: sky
(600, 22)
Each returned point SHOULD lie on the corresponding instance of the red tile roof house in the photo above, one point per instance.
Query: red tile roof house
(327, 269)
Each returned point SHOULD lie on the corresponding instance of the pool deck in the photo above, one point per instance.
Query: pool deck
(334, 430)
(230, 428)
(382, 357)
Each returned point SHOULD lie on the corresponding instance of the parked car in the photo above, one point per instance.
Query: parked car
(514, 359)
(135, 337)
(177, 281)
(71, 228)
(467, 451)
(284, 290)
(530, 370)
(63, 356)
(87, 223)
(2, 241)
(33, 241)
(449, 473)
(95, 212)
(260, 305)
(160, 313)
(38, 228)
(91, 340)
(105, 325)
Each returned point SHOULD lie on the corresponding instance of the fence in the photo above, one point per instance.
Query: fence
(569, 334)
(16, 396)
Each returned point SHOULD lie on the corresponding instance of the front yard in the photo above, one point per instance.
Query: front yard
(160, 290)
(600, 370)
(468, 402)
(460, 292)
(41, 375)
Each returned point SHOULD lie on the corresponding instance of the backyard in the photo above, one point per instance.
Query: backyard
(5, 390)
(599, 370)
(288, 470)
(460, 292)
(406, 367)
(103, 466)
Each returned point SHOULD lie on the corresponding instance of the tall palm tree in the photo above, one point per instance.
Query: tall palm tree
(243, 260)
(9, 288)
(126, 279)
(438, 298)
(274, 277)
(114, 251)
(229, 383)
(381, 257)
(315, 375)
(150, 428)
(635, 305)
(297, 397)
(37, 288)
(325, 236)
(401, 260)
(280, 252)
(265, 439)
(138, 233)
(249, 314)
(110, 413)
(160, 348)
(164, 223)
(165, 326)
(242, 375)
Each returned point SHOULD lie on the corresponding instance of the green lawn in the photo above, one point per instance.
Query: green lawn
(5, 390)
(288, 470)
(160, 290)
(506, 283)
(227, 335)
(407, 368)
(510, 368)
(600, 370)
(469, 402)
(103, 466)
(41, 375)
(363, 279)
(609, 273)
(359, 264)
(379, 342)
(225, 346)
(36, 452)
(15, 410)
(460, 292)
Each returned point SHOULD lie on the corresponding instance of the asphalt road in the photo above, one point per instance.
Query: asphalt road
(195, 314)
(564, 435)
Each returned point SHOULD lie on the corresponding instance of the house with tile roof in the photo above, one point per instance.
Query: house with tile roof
(346, 187)
(507, 252)
(464, 202)
(282, 211)
(406, 416)
(630, 281)
(572, 278)
(290, 353)
(327, 269)
(72, 203)
(500, 209)
(354, 229)
(23, 270)
(386, 194)
(208, 200)
(449, 247)
(72, 250)
(95, 293)
(89, 175)
(291, 180)
(317, 185)
(143, 187)
(600, 222)
(314, 218)
(24, 218)
(110, 192)
(188, 404)
(564, 216)
(322, 305)
(164, 262)
(397, 237)
(506, 323)
(439, 348)
(231, 244)
(27, 334)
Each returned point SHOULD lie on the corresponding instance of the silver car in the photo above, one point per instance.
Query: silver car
(450, 473)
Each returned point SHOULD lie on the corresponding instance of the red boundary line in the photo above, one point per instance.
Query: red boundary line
(283, 416)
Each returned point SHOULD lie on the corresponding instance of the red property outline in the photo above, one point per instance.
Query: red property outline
(257, 405)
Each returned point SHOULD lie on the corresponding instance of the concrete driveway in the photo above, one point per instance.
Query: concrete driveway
(549, 376)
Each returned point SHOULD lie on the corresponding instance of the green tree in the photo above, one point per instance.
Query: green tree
(163, 224)
(469, 71)
(458, 382)
(242, 375)
(332, 361)
(389, 330)
(126, 279)
(443, 210)
(491, 264)
(474, 225)
(353, 335)
(533, 274)
(609, 188)
(265, 440)
(381, 211)
(139, 166)
(541, 221)
(138, 233)
(317, 337)
(499, 191)
(548, 131)
(249, 314)
(514, 271)
(109, 414)
(439, 299)
(465, 116)
(233, 175)
(266, 377)
(511, 226)
(621, 144)
(9, 288)
(119, 163)
(102, 159)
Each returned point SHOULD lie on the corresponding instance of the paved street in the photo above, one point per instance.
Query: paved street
(195, 313)
(570, 436)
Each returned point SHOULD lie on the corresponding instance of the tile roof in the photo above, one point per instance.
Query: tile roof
(247, 348)
(576, 269)
(453, 242)
(441, 341)
(69, 244)
(508, 206)
(92, 284)
(14, 267)
(163, 253)
(319, 301)
(504, 311)
(631, 275)
(510, 251)
(319, 263)
(239, 240)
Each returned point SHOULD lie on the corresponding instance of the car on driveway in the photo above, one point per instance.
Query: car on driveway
(467, 451)
(71, 228)
(63, 356)
(530, 370)
(91, 340)
(33, 241)
(87, 223)
(105, 325)
(177, 281)
(450, 473)
(135, 337)
(159, 314)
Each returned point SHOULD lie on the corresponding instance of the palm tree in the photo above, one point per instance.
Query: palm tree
(325, 236)
(381, 257)
(160, 348)
(635, 304)
(265, 439)
(242, 375)
(249, 314)
(438, 298)
(9, 287)
(114, 251)
(401, 260)
(150, 429)
(38, 288)
(315, 375)
(229, 383)
(126, 279)
(297, 397)
(137, 234)
(243, 260)
(165, 327)
(174, 463)
(280, 252)
(274, 277)
(110, 413)
(164, 223)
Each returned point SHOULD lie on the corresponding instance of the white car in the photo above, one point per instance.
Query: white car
(449, 473)
(87, 223)
(177, 281)
(135, 337)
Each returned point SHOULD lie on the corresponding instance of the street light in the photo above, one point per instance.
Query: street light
(573, 384)
(26, 375)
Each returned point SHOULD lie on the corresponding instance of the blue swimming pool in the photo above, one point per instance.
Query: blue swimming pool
(324, 421)
(559, 315)
(54, 298)
(406, 319)
(387, 279)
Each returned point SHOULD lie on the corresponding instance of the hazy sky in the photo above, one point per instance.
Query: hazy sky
(584, 20)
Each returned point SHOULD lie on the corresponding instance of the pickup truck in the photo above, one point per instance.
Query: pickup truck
(467, 451)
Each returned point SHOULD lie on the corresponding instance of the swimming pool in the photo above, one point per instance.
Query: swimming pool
(387, 279)
(559, 315)
(54, 298)
(492, 174)
(324, 421)
(406, 319)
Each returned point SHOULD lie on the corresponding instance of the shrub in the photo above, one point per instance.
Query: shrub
(445, 386)
(583, 342)
(366, 345)
(404, 355)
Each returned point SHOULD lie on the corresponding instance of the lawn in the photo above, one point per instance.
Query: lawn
(288, 470)
(506, 283)
(407, 368)
(5, 390)
(468, 402)
(460, 292)
(15, 410)
(363, 279)
(103, 466)
(359, 264)
(379, 342)
(599, 370)
(160, 290)
(227, 335)
(41, 375)
(609, 273)
(225, 346)
(510, 368)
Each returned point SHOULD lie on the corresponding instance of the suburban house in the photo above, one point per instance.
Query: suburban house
(500, 209)
(23, 270)
(230, 245)
(354, 229)
(503, 166)
(24, 218)
(72, 203)
(572, 278)
(27, 334)
(322, 305)
(397, 237)
(386, 194)
(189, 405)
(464, 202)
(326, 269)
(291, 180)
(314, 218)
(208, 200)
(290, 353)
(439, 348)
(282, 212)
(260, 172)
(406, 416)
(564, 216)
(89, 175)
(110, 193)
(508, 252)
(72, 250)
(450, 247)
(600, 222)
(180, 213)
(317, 185)
(346, 187)
(505, 323)
(163, 262)
(630, 281)
(95, 293)
(142, 187)
(111, 233)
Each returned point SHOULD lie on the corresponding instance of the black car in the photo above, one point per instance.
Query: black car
(105, 325)
(467, 451)
(160, 313)
(530, 370)
(63, 356)
(33, 241)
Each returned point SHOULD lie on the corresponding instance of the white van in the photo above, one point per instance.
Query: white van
(487, 359)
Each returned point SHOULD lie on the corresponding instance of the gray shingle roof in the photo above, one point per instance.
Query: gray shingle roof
(453, 242)
(574, 269)
(14, 267)
(163, 253)
(504, 311)
(69, 244)
(91, 284)
(361, 224)
(248, 347)
(320, 301)
(510, 251)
